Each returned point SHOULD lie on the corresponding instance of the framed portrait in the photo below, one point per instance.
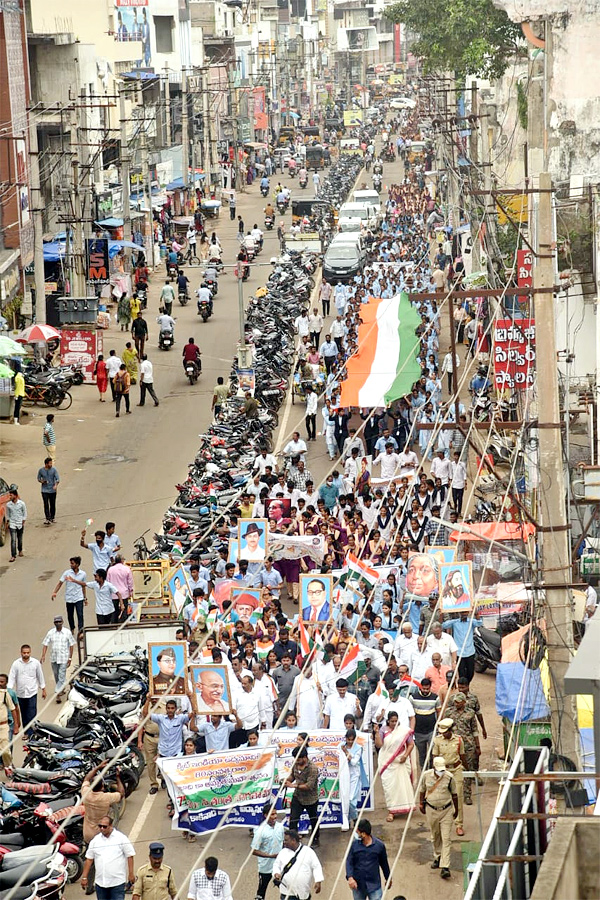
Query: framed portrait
(252, 539)
(423, 574)
(178, 588)
(167, 668)
(278, 508)
(456, 586)
(246, 605)
(148, 580)
(211, 693)
(316, 592)
(443, 554)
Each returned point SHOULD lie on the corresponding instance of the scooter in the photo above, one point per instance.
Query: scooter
(377, 182)
(269, 223)
(192, 370)
(165, 340)
(488, 648)
(264, 189)
(303, 181)
(183, 298)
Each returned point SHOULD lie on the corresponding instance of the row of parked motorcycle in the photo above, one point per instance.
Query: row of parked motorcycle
(41, 816)
(47, 385)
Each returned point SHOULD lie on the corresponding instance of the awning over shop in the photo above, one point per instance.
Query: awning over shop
(111, 222)
(55, 250)
(494, 531)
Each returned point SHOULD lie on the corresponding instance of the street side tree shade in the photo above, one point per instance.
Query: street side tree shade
(468, 37)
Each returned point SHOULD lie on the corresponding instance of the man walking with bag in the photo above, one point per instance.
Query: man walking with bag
(297, 870)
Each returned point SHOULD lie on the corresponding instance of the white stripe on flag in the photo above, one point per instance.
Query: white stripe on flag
(387, 353)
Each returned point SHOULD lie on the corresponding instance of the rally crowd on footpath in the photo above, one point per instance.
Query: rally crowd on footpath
(386, 660)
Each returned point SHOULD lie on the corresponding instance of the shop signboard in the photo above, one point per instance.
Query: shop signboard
(514, 354)
(80, 347)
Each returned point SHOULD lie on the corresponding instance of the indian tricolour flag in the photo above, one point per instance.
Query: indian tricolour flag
(385, 365)
(355, 569)
(353, 663)
(382, 692)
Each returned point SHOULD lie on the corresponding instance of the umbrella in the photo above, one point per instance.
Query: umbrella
(6, 371)
(36, 333)
(8, 347)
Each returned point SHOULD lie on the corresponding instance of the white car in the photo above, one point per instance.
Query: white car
(402, 103)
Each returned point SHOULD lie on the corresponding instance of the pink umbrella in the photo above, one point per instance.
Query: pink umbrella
(36, 333)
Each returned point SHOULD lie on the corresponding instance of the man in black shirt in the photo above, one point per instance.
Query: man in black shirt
(426, 705)
(139, 333)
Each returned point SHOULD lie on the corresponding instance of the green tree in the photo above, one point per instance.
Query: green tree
(467, 37)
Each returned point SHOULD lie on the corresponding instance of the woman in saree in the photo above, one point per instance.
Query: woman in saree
(395, 747)
(363, 479)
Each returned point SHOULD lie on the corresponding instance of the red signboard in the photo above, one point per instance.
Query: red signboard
(524, 268)
(80, 347)
(98, 266)
(514, 353)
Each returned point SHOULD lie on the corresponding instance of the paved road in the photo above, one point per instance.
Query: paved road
(125, 469)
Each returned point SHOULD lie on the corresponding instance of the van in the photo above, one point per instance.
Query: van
(350, 225)
(369, 197)
(366, 212)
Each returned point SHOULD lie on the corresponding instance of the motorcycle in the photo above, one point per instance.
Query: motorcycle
(204, 310)
(269, 223)
(281, 207)
(377, 182)
(292, 171)
(165, 340)
(264, 189)
(183, 298)
(172, 271)
(142, 292)
(482, 407)
(41, 831)
(303, 181)
(192, 370)
(488, 649)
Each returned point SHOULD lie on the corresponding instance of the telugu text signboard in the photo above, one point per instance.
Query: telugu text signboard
(514, 353)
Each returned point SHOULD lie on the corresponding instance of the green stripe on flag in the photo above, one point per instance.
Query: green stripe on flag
(408, 369)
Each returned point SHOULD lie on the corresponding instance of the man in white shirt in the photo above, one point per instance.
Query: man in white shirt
(444, 644)
(112, 854)
(295, 447)
(166, 323)
(113, 364)
(459, 481)
(389, 462)
(210, 883)
(408, 463)
(351, 471)
(353, 441)
(420, 659)
(441, 468)
(263, 460)
(301, 325)
(250, 709)
(303, 876)
(146, 381)
(25, 678)
(311, 414)
(315, 327)
(338, 331)
(405, 645)
(338, 704)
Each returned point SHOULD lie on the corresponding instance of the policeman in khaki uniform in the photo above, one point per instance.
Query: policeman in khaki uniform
(148, 742)
(154, 881)
(439, 802)
(451, 747)
(465, 725)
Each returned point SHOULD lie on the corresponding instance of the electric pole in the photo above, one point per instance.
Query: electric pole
(78, 284)
(206, 132)
(38, 225)
(555, 559)
(185, 140)
(125, 161)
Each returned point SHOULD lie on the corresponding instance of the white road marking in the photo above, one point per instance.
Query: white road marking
(141, 817)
